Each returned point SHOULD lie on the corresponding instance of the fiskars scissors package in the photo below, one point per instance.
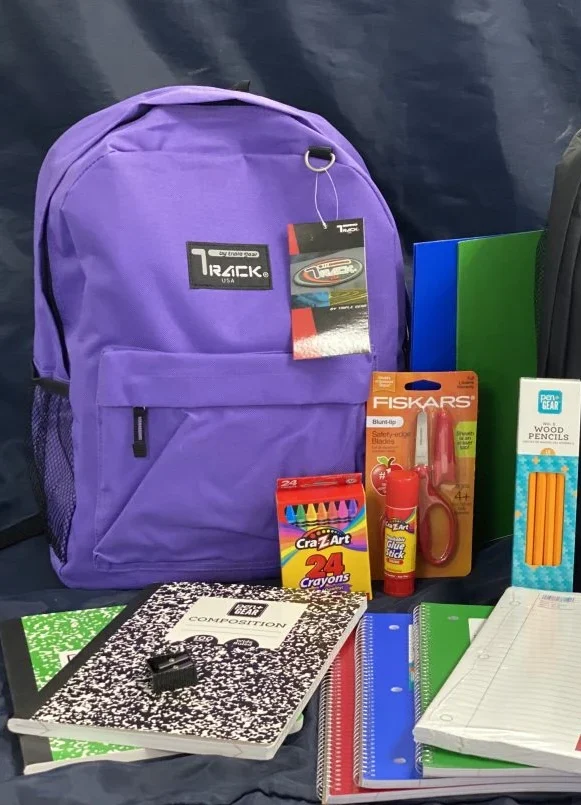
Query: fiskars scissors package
(426, 422)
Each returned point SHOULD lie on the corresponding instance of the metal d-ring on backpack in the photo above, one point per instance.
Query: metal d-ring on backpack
(166, 405)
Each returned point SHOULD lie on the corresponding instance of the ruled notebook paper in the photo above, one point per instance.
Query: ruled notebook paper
(516, 693)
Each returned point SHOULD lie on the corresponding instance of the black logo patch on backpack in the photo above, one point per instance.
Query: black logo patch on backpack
(229, 267)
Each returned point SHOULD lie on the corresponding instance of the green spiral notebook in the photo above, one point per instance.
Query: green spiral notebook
(443, 632)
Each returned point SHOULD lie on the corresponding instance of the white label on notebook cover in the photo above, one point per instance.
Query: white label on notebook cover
(474, 626)
(265, 622)
(66, 656)
(556, 601)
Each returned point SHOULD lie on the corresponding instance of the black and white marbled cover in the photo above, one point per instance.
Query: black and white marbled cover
(247, 694)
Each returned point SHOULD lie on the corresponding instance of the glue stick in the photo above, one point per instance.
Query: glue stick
(401, 516)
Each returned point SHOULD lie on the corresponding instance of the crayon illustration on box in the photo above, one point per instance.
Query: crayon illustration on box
(546, 483)
(425, 422)
(322, 526)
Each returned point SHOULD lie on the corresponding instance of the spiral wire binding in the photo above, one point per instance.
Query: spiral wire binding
(337, 728)
(363, 758)
(417, 680)
(421, 680)
(322, 733)
(324, 781)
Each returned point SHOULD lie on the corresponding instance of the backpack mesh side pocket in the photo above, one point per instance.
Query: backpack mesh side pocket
(53, 475)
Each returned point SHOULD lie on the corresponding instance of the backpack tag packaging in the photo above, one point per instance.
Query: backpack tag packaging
(167, 399)
(329, 306)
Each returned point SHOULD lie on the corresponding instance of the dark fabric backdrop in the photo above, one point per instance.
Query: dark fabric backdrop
(460, 108)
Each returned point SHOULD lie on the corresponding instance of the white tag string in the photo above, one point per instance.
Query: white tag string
(321, 219)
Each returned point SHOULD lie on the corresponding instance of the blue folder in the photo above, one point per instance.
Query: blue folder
(434, 291)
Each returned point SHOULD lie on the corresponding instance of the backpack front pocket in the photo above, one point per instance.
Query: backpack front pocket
(190, 447)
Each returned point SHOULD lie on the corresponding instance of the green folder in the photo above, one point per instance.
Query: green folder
(496, 339)
(443, 633)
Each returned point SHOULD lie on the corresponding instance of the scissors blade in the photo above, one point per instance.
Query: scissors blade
(421, 455)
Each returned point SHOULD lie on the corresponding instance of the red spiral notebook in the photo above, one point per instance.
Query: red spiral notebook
(335, 764)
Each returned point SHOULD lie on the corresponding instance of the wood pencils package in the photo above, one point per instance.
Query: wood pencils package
(546, 483)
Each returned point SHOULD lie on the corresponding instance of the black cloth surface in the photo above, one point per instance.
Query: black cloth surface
(460, 110)
(289, 779)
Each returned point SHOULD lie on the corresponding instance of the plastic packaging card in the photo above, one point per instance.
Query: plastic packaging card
(445, 406)
(329, 311)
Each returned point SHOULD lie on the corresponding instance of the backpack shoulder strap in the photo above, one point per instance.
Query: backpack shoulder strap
(556, 264)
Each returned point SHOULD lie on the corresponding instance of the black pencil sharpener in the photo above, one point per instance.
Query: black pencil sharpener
(172, 671)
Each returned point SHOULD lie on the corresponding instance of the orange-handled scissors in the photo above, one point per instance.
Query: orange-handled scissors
(430, 499)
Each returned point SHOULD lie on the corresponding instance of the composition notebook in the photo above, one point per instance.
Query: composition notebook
(260, 653)
(335, 757)
(516, 694)
(35, 648)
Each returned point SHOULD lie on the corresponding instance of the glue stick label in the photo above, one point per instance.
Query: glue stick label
(400, 540)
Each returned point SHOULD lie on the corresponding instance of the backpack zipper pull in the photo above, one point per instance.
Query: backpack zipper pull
(139, 436)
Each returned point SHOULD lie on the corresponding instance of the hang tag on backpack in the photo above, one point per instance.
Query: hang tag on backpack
(328, 285)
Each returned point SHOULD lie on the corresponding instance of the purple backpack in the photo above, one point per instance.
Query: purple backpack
(163, 414)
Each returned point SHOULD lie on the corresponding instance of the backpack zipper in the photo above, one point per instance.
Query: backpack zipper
(139, 434)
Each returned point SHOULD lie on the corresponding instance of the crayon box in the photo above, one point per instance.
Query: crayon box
(322, 527)
(425, 421)
(546, 483)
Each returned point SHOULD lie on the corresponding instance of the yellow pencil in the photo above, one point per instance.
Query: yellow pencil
(550, 507)
(540, 506)
(531, 517)
(559, 515)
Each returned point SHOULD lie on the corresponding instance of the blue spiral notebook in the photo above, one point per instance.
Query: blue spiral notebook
(384, 743)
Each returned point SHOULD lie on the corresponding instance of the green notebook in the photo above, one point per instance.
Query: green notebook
(443, 633)
(495, 338)
(35, 648)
